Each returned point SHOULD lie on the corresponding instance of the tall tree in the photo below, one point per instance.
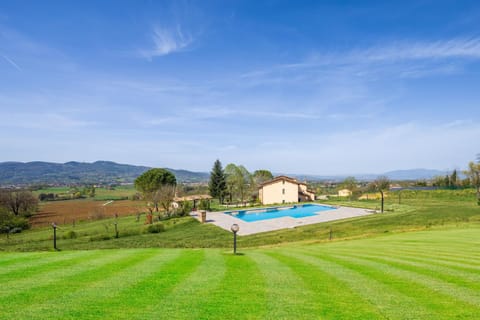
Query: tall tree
(473, 173)
(239, 180)
(245, 182)
(18, 202)
(381, 184)
(218, 184)
(231, 183)
(150, 183)
(454, 179)
(164, 197)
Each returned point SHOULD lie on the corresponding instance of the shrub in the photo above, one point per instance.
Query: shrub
(8, 222)
(155, 228)
(70, 235)
(204, 204)
(184, 208)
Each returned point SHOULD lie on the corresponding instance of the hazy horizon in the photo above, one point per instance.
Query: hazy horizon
(326, 174)
(296, 87)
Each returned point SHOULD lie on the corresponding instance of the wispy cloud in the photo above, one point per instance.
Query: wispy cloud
(408, 50)
(12, 63)
(167, 41)
(404, 58)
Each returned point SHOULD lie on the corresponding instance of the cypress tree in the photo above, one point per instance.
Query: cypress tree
(453, 179)
(217, 185)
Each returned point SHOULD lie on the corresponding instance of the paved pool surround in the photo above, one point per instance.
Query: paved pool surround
(225, 221)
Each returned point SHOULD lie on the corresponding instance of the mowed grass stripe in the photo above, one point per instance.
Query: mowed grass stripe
(240, 295)
(443, 261)
(391, 303)
(190, 298)
(429, 268)
(439, 292)
(438, 261)
(286, 293)
(462, 258)
(103, 283)
(20, 279)
(317, 294)
(439, 305)
(142, 300)
(28, 266)
(18, 257)
(43, 291)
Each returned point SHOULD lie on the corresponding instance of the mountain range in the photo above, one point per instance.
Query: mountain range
(99, 172)
(107, 172)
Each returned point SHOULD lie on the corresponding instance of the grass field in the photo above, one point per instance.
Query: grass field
(101, 194)
(420, 211)
(421, 275)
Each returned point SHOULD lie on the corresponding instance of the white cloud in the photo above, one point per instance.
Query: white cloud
(167, 41)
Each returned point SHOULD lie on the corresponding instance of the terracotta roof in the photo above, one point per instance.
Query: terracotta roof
(280, 178)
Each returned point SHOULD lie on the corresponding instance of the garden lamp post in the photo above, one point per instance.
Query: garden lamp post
(234, 229)
(54, 226)
(116, 225)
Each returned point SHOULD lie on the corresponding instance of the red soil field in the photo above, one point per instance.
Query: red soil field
(63, 212)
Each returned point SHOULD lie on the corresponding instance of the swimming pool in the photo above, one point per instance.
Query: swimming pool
(297, 211)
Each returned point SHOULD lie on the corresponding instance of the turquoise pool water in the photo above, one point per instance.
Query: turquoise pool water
(297, 211)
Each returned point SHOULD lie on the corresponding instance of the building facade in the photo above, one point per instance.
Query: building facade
(284, 189)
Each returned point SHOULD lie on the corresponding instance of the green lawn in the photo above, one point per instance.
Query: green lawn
(417, 211)
(419, 275)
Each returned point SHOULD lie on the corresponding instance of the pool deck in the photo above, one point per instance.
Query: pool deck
(225, 221)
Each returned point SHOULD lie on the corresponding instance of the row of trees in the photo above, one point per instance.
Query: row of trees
(235, 182)
(382, 184)
(473, 174)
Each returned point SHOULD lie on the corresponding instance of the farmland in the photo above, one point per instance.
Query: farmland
(421, 275)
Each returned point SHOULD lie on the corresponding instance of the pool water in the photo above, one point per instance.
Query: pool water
(297, 211)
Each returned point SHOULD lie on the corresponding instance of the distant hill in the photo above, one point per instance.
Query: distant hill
(411, 174)
(414, 174)
(106, 172)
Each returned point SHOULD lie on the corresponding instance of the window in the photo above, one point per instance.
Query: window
(283, 181)
(283, 191)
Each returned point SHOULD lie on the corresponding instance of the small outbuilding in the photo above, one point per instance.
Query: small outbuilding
(344, 193)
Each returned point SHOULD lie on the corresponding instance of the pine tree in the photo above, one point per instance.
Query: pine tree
(217, 184)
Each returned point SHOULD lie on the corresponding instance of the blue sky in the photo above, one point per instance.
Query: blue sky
(319, 87)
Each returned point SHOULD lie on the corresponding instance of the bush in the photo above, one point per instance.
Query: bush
(184, 208)
(204, 204)
(70, 235)
(155, 228)
(8, 222)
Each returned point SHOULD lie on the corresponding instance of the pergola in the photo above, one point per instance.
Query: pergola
(193, 198)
